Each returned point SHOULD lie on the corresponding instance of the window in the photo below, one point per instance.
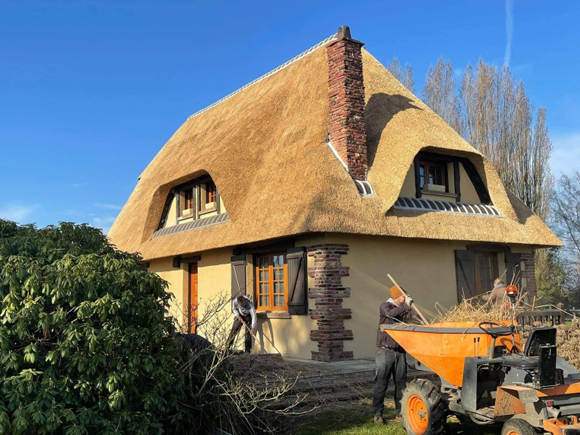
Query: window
(486, 271)
(432, 173)
(271, 282)
(186, 202)
(210, 192)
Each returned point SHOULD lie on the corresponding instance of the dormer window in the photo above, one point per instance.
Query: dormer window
(195, 200)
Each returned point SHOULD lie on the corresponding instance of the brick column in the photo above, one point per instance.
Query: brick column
(529, 273)
(328, 294)
(347, 103)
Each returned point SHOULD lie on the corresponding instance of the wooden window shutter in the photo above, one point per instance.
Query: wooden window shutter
(513, 267)
(297, 281)
(238, 275)
(465, 272)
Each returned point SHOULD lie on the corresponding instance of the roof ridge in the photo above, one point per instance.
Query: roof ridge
(268, 74)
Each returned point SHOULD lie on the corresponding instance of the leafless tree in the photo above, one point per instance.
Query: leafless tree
(439, 93)
(566, 221)
(405, 77)
(498, 119)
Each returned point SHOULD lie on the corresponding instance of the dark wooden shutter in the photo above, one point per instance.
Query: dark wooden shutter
(297, 281)
(238, 275)
(513, 267)
(465, 271)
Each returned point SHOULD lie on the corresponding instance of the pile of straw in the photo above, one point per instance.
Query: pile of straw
(477, 310)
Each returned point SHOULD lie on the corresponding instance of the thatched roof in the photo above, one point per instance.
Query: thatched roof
(266, 150)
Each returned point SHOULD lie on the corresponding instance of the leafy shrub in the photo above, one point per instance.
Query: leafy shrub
(86, 346)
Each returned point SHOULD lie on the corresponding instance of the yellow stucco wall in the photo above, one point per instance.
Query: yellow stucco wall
(426, 268)
(177, 279)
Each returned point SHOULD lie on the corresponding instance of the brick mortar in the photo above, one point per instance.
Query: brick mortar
(328, 294)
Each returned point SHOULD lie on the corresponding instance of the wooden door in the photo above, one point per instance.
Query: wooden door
(192, 298)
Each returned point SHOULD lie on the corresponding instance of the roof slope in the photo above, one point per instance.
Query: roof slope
(265, 148)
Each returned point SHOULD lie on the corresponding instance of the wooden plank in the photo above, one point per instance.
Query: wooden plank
(457, 180)
(418, 191)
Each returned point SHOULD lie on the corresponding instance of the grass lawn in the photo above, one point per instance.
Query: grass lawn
(356, 418)
(353, 418)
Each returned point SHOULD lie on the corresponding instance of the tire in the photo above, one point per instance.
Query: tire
(517, 426)
(424, 410)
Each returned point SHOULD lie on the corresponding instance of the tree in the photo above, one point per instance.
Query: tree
(87, 346)
(439, 93)
(497, 118)
(552, 279)
(85, 343)
(406, 77)
(566, 221)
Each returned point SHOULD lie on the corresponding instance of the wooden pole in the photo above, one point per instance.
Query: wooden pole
(412, 305)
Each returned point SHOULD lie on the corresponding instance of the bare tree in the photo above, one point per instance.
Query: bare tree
(439, 93)
(566, 212)
(405, 77)
(566, 221)
(498, 119)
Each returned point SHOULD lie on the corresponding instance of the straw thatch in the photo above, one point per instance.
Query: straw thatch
(266, 150)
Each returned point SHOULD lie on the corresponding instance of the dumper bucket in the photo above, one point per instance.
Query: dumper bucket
(443, 347)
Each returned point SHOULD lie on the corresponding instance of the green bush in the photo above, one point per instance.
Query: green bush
(86, 345)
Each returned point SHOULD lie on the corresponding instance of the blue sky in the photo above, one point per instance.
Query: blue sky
(91, 90)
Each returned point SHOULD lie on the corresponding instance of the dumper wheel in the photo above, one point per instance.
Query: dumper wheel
(517, 426)
(423, 408)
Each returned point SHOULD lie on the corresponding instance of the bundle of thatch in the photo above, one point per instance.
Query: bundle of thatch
(477, 309)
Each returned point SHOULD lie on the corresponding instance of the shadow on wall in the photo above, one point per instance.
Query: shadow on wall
(379, 111)
(262, 338)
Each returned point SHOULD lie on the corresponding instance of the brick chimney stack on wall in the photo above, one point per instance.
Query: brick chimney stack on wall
(347, 102)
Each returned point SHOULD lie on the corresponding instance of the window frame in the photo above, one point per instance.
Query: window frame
(181, 204)
(203, 198)
(271, 307)
(444, 175)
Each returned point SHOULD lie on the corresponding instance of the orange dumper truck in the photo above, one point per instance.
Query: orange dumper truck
(486, 377)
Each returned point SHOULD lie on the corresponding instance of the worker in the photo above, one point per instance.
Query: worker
(245, 315)
(391, 357)
(498, 293)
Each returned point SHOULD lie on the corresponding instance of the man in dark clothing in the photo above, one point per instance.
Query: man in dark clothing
(244, 313)
(391, 358)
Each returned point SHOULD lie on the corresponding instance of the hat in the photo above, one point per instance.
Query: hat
(395, 292)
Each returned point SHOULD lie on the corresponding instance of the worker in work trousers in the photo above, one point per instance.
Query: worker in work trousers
(391, 358)
(245, 317)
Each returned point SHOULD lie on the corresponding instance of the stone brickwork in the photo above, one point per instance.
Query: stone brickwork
(328, 294)
(347, 103)
(529, 273)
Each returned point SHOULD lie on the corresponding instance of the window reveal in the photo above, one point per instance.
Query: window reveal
(271, 282)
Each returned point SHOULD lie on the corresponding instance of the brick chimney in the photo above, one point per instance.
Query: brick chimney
(347, 102)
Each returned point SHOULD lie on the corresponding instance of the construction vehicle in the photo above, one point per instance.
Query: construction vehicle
(487, 378)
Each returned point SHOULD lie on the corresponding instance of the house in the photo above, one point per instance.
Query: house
(306, 187)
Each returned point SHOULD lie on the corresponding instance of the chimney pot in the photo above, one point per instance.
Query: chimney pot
(344, 32)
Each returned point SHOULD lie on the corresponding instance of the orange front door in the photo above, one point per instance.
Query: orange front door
(192, 298)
